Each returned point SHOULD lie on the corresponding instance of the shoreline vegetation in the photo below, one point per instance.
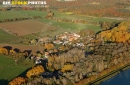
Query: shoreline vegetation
(106, 74)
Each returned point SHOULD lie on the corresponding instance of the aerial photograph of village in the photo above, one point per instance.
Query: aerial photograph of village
(64, 42)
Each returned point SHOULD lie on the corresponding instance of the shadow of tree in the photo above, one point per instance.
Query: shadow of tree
(3, 82)
(17, 50)
(28, 51)
(8, 47)
(23, 74)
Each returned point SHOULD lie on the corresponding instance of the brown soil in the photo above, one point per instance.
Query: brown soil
(33, 48)
(25, 27)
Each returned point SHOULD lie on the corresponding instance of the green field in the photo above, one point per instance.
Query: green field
(71, 26)
(67, 16)
(30, 36)
(16, 14)
(83, 17)
(8, 38)
(33, 13)
(30, 13)
(10, 15)
(62, 26)
(8, 69)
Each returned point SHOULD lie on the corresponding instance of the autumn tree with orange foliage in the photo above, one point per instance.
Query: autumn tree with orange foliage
(117, 34)
(35, 71)
(17, 81)
(3, 51)
(49, 46)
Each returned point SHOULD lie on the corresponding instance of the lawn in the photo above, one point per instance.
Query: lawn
(8, 70)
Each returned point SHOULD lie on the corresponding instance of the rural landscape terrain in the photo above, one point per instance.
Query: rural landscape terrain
(75, 42)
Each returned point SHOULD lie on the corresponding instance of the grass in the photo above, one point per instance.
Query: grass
(30, 36)
(62, 27)
(3, 63)
(8, 70)
(30, 13)
(5, 37)
(33, 13)
(8, 38)
(82, 17)
(22, 13)
(70, 26)
(10, 15)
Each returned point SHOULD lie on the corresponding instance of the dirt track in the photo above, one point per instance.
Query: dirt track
(33, 48)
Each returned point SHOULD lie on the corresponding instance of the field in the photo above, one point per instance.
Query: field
(24, 27)
(10, 15)
(30, 26)
(8, 70)
(8, 38)
(87, 18)
(16, 14)
(69, 16)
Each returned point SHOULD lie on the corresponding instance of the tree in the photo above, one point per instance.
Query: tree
(33, 41)
(117, 34)
(3, 51)
(49, 46)
(35, 71)
(128, 41)
(86, 33)
(17, 81)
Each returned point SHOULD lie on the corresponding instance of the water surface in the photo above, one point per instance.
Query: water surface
(122, 78)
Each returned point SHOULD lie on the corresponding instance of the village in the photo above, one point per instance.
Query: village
(59, 44)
